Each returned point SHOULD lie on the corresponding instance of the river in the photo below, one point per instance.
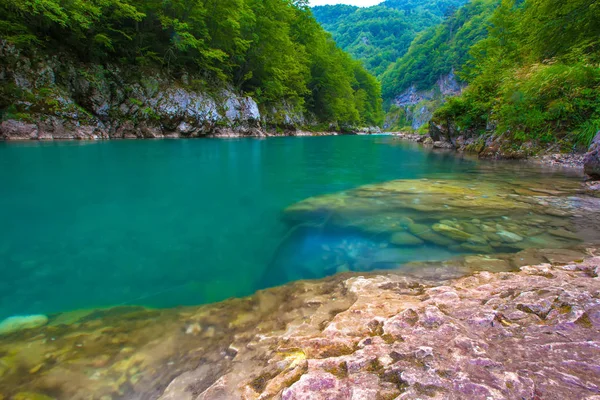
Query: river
(180, 222)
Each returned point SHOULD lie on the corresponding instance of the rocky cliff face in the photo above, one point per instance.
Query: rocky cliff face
(59, 98)
(418, 105)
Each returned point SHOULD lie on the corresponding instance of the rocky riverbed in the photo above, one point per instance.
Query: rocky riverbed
(460, 215)
(533, 333)
(497, 147)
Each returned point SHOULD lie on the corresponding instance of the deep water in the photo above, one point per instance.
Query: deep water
(178, 222)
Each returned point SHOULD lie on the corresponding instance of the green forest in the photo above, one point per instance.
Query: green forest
(531, 66)
(379, 35)
(536, 76)
(272, 50)
(439, 50)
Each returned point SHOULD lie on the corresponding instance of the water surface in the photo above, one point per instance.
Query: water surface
(176, 222)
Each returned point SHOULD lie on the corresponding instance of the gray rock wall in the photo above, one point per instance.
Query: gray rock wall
(60, 98)
(419, 105)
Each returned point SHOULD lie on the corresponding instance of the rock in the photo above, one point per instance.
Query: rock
(487, 263)
(89, 102)
(369, 130)
(509, 237)
(428, 141)
(452, 233)
(405, 239)
(418, 105)
(506, 335)
(527, 257)
(477, 248)
(379, 223)
(562, 256)
(22, 322)
(18, 130)
(424, 232)
(591, 161)
(340, 269)
(31, 396)
(442, 145)
(563, 233)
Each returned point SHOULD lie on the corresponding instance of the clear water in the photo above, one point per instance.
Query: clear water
(179, 222)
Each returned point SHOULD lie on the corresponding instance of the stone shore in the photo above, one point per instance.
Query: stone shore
(533, 333)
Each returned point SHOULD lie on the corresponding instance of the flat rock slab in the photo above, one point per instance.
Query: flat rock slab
(531, 334)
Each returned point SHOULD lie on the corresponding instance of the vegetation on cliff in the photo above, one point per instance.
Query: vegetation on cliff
(536, 76)
(439, 50)
(272, 50)
(379, 35)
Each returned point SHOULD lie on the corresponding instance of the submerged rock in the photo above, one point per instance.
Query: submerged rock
(452, 233)
(405, 239)
(427, 234)
(21, 322)
(509, 215)
(509, 237)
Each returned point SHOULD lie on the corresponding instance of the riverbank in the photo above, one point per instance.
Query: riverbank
(549, 157)
(533, 332)
(13, 130)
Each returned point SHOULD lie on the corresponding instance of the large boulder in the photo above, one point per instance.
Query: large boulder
(591, 162)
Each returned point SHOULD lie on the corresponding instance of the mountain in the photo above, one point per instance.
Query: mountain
(379, 35)
(439, 50)
(418, 82)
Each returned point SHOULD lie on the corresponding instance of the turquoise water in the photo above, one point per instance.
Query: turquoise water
(174, 222)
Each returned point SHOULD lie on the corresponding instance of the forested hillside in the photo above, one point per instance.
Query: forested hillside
(379, 35)
(272, 50)
(439, 50)
(418, 82)
(536, 77)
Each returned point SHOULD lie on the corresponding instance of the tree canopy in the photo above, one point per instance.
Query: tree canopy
(379, 35)
(439, 50)
(273, 50)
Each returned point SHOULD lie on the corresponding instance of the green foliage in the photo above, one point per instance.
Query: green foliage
(536, 75)
(439, 50)
(271, 49)
(379, 35)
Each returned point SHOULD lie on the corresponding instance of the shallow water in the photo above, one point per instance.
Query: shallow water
(175, 222)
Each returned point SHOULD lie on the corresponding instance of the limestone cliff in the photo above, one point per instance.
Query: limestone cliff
(58, 97)
(415, 107)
